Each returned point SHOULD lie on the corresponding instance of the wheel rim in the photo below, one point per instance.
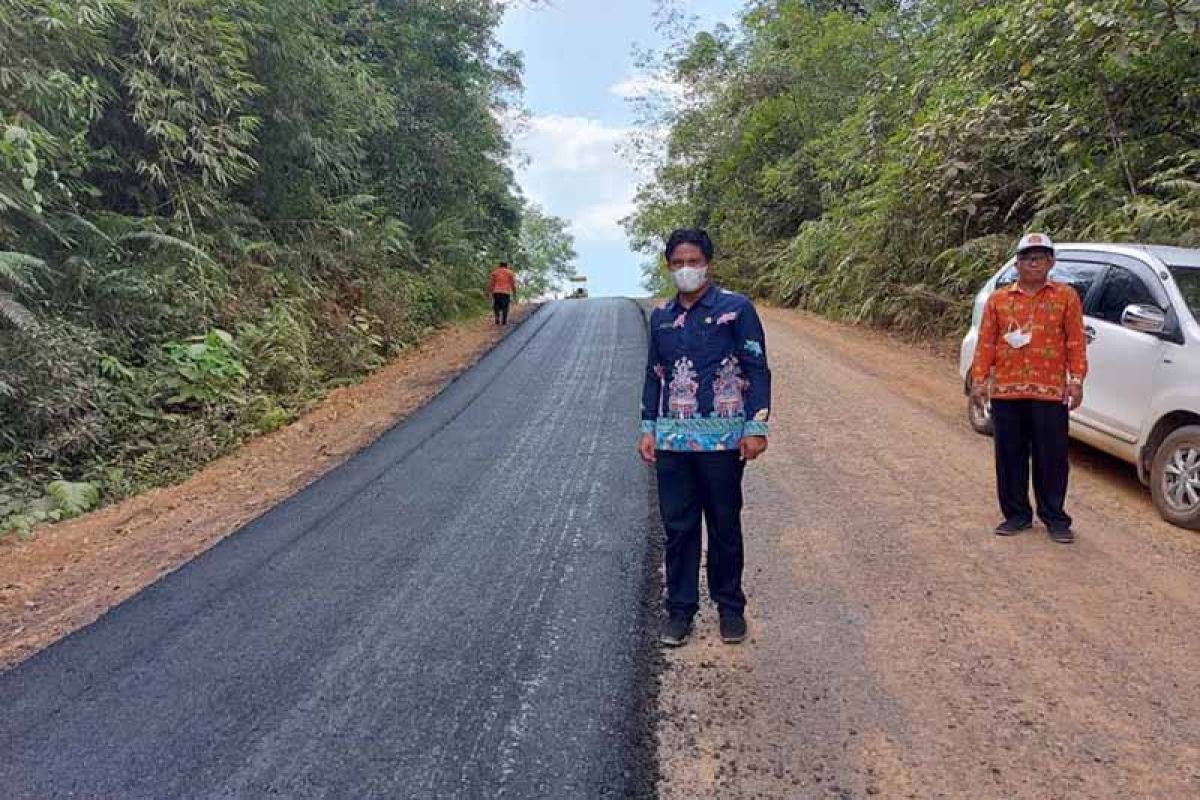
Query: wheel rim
(981, 416)
(1181, 479)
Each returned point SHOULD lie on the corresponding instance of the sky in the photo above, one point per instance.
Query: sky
(579, 70)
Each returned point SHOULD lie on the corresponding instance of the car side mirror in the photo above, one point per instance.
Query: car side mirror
(1147, 319)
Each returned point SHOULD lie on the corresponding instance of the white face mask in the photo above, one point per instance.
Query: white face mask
(1017, 338)
(689, 279)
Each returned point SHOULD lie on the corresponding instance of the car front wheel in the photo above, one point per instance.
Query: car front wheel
(1175, 477)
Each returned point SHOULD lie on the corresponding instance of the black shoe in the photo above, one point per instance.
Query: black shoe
(676, 631)
(733, 628)
(1011, 527)
(1063, 534)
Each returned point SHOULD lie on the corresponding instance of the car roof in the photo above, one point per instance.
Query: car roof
(1175, 256)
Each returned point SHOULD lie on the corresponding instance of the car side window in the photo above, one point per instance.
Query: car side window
(1121, 288)
(1079, 275)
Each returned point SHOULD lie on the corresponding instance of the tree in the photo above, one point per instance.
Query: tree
(298, 188)
(547, 251)
(874, 160)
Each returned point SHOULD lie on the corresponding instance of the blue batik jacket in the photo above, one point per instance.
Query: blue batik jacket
(707, 381)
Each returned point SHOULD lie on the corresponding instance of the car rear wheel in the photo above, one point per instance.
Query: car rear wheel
(1175, 477)
(980, 418)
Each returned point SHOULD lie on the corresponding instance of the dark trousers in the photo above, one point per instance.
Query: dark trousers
(691, 485)
(500, 304)
(1022, 428)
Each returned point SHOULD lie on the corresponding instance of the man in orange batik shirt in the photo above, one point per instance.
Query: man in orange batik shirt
(1031, 362)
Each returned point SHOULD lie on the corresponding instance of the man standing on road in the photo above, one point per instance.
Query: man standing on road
(503, 287)
(1031, 362)
(705, 406)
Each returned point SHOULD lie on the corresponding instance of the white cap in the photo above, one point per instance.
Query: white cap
(1031, 240)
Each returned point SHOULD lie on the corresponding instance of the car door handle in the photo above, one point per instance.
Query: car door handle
(1089, 333)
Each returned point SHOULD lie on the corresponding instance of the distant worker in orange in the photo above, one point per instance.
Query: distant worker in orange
(503, 288)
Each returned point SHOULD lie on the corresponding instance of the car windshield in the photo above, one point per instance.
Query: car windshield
(1076, 275)
(1188, 281)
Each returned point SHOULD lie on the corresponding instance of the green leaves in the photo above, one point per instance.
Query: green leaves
(188, 77)
(326, 178)
(19, 272)
(547, 252)
(72, 499)
(203, 371)
(62, 500)
(863, 154)
(19, 161)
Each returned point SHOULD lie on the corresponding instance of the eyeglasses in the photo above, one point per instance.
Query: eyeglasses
(1035, 258)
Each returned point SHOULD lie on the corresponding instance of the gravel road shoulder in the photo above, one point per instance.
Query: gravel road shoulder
(898, 649)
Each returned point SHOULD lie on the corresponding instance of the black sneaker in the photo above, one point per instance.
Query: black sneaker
(733, 628)
(1062, 535)
(1011, 527)
(676, 631)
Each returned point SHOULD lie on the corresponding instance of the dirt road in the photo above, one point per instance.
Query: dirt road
(379, 635)
(901, 650)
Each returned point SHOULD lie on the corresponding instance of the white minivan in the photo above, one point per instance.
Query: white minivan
(1141, 400)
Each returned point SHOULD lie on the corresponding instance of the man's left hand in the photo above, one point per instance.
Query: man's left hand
(1074, 397)
(751, 447)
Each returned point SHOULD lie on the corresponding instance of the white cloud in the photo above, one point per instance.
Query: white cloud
(572, 143)
(645, 85)
(602, 222)
(573, 170)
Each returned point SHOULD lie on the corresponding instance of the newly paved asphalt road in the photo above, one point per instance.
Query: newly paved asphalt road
(456, 612)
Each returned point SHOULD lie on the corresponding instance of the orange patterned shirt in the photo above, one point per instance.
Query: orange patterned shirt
(503, 281)
(1040, 369)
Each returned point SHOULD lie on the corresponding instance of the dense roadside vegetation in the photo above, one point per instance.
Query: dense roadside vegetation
(874, 160)
(211, 211)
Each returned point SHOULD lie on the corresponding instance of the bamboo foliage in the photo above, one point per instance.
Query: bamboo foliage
(213, 210)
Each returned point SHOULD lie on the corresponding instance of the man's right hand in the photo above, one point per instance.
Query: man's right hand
(646, 448)
(979, 394)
